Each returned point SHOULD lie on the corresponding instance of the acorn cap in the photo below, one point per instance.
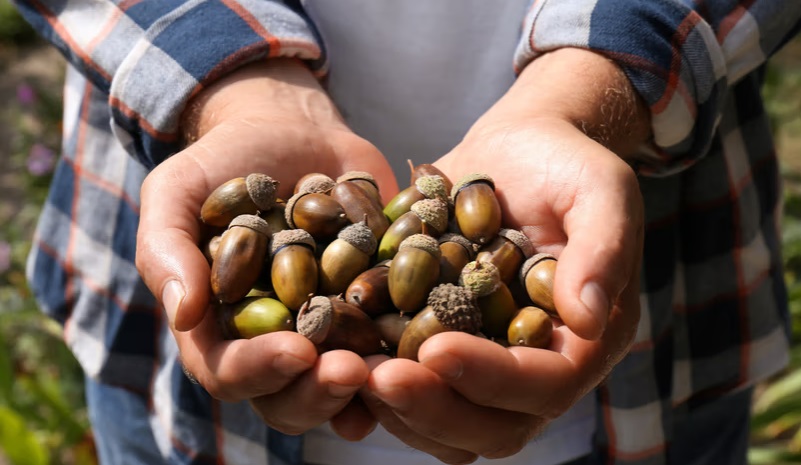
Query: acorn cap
(314, 317)
(319, 183)
(455, 307)
(358, 175)
(360, 236)
(432, 186)
(254, 222)
(290, 207)
(262, 190)
(471, 247)
(433, 212)
(470, 179)
(289, 237)
(531, 261)
(483, 278)
(423, 242)
(519, 239)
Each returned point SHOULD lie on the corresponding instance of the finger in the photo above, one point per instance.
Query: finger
(317, 395)
(604, 227)
(355, 421)
(243, 368)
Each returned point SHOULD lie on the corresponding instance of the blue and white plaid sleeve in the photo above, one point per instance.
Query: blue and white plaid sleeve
(682, 57)
(139, 54)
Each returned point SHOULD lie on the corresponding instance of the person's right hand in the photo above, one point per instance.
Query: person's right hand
(270, 118)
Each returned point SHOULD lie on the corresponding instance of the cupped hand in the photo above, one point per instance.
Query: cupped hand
(574, 198)
(269, 118)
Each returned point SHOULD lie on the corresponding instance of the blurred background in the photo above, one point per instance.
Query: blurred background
(43, 418)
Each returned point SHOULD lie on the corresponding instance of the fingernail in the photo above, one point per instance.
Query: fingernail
(596, 301)
(341, 391)
(446, 366)
(171, 297)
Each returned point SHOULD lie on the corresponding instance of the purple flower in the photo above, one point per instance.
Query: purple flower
(26, 95)
(40, 160)
(5, 256)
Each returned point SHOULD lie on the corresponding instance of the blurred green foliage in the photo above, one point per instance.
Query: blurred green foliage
(13, 29)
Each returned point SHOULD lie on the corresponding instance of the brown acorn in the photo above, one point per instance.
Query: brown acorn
(476, 208)
(331, 324)
(429, 216)
(457, 252)
(275, 216)
(345, 258)
(254, 316)
(239, 196)
(530, 327)
(370, 290)
(449, 308)
(536, 275)
(427, 169)
(239, 258)
(391, 327)
(425, 187)
(314, 182)
(360, 206)
(293, 272)
(507, 251)
(210, 248)
(414, 272)
(494, 300)
(318, 214)
(367, 182)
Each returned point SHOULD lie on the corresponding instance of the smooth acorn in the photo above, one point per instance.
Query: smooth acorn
(239, 196)
(254, 316)
(457, 252)
(429, 216)
(210, 248)
(507, 251)
(476, 208)
(414, 272)
(294, 271)
(345, 258)
(494, 300)
(425, 187)
(427, 169)
(314, 182)
(360, 206)
(391, 327)
(318, 214)
(275, 216)
(530, 327)
(370, 290)
(239, 258)
(536, 275)
(331, 324)
(367, 182)
(449, 308)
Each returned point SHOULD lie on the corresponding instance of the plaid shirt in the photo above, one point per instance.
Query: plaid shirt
(714, 313)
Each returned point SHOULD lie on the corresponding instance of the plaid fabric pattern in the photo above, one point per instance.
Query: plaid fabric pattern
(714, 303)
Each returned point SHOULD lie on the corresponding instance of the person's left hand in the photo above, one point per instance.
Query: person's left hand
(574, 198)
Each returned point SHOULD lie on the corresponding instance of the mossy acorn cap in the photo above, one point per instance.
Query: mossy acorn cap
(455, 307)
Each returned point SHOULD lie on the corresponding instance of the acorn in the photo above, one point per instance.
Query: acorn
(476, 208)
(293, 272)
(427, 169)
(429, 216)
(345, 258)
(449, 308)
(425, 187)
(275, 216)
(318, 214)
(536, 275)
(360, 206)
(507, 251)
(239, 258)
(530, 327)
(494, 300)
(314, 182)
(370, 290)
(239, 196)
(457, 252)
(331, 324)
(210, 248)
(254, 316)
(391, 327)
(414, 272)
(367, 182)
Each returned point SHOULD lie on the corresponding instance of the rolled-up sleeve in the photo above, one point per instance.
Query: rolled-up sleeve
(151, 57)
(681, 57)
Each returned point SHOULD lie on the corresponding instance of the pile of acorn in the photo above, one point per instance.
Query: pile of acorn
(336, 265)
